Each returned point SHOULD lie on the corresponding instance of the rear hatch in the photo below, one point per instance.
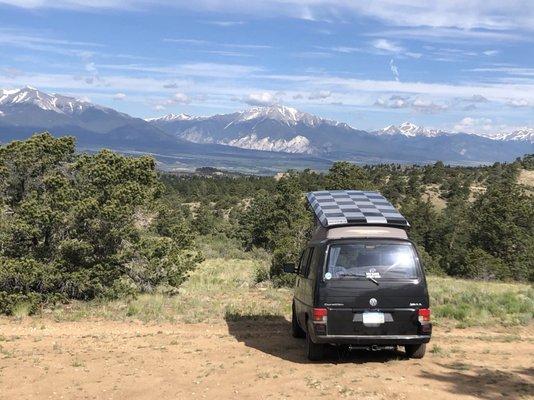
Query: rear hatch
(373, 287)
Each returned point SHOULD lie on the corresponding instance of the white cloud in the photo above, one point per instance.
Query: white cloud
(427, 106)
(466, 15)
(450, 35)
(394, 70)
(394, 101)
(386, 45)
(320, 95)
(520, 103)
(119, 96)
(260, 99)
(415, 104)
(225, 24)
(181, 98)
(490, 52)
(474, 125)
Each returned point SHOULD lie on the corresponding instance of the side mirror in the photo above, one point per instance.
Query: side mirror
(289, 268)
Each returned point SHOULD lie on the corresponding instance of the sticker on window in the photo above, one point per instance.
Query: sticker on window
(373, 274)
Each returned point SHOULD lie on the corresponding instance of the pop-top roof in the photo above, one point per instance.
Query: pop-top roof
(354, 207)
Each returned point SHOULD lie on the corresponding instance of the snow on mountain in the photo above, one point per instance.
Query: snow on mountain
(48, 102)
(410, 130)
(523, 134)
(172, 117)
(286, 115)
(298, 144)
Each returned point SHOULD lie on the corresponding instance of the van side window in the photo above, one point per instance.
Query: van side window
(302, 261)
(306, 262)
(312, 269)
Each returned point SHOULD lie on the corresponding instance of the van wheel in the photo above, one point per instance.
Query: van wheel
(415, 350)
(296, 330)
(314, 351)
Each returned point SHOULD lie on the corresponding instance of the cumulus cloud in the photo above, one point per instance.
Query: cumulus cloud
(181, 98)
(320, 95)
(386, 45)
(519, 103)
(394, 101)
(429, 107)
(261, 99)
(474, 125)
(415, 104)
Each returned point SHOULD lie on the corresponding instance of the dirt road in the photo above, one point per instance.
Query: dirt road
(42, 359)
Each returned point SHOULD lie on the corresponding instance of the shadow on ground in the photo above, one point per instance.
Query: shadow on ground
(271, 334)
(484, 383)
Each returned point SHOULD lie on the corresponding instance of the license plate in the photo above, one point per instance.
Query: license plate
(373, 318)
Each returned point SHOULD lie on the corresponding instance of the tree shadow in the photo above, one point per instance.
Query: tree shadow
(485, 383)
(271, 334)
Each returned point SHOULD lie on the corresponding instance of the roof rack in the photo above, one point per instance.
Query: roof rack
(354, 207)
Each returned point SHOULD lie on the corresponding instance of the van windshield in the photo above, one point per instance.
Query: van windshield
(372, 259)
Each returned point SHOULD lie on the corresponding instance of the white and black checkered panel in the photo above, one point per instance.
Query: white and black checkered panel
(341, 207)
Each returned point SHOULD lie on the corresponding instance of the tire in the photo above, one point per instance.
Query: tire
(415, 350)
(314, 351)
(296, 330)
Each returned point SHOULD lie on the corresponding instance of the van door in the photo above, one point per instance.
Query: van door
(305, 285)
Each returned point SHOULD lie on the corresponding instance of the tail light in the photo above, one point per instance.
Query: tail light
(320, 315)
(424, 316)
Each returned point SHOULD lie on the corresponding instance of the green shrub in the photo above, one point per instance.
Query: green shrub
(68, 226)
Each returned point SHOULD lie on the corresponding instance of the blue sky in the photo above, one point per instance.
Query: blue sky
(455, 65)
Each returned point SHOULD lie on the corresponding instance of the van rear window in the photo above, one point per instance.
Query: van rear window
(377, 260)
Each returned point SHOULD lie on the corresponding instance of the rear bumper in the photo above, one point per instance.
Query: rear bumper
(390, 340)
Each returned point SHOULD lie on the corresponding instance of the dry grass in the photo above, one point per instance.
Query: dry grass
(526, 178)
(219, 287)
(223, 288)
(475, 303)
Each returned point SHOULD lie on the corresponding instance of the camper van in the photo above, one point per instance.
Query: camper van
(360, 281)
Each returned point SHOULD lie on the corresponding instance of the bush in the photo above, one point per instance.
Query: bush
(69, 229)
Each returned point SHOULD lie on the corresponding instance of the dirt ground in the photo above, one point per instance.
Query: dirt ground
(249, 359)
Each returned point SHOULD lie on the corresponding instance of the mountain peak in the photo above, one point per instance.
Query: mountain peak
(286, 115)
(409, 129)
(172, 117)
(522, 134)
(48, 102)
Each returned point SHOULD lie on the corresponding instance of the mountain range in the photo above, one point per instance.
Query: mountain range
(261, 139)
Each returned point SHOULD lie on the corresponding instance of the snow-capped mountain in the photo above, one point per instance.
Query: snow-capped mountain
(410, 130)
(246, 136)
(172, 117)
(299, 144)
(524, 135)
(274, 128)
(286, 115)
(29, 110)
(48, 102)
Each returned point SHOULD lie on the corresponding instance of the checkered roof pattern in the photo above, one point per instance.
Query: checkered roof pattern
(354, 207)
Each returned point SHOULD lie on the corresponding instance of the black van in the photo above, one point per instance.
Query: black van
(360, 281)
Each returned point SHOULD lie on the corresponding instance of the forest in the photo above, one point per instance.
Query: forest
(102, 225)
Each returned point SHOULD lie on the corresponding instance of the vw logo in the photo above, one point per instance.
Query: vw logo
(373, 302)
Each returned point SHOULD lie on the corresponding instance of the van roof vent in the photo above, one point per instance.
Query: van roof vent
(354, 207)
